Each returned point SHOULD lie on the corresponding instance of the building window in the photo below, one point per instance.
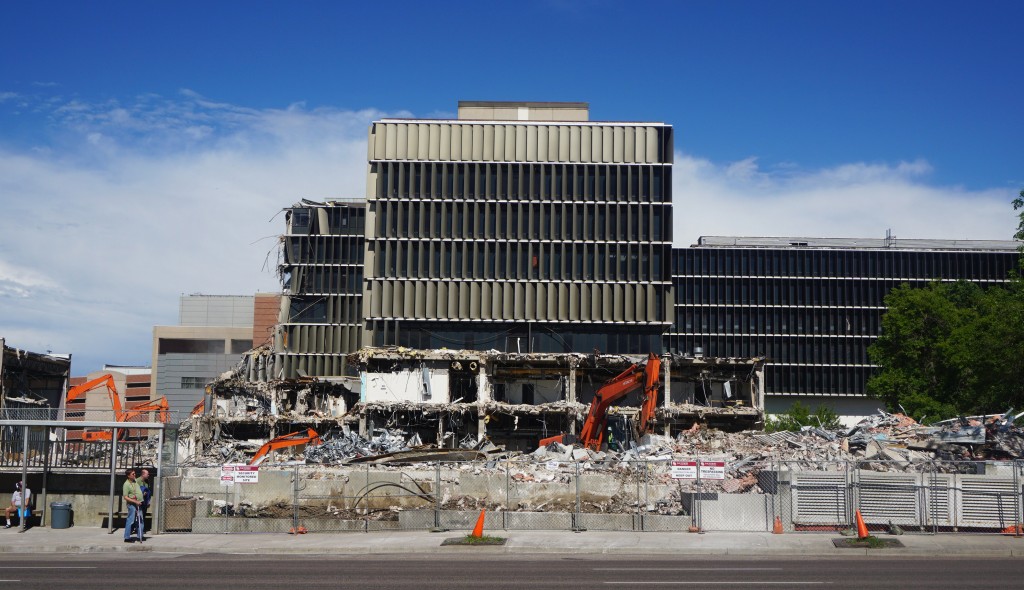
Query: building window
(193, 382)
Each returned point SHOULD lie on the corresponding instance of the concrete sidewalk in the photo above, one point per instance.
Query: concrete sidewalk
(80, 540)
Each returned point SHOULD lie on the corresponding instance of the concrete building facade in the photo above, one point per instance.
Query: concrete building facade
(320, 311)
(213, 332)
(521, 227)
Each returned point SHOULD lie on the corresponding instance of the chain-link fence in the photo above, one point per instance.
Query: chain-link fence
(700, 494)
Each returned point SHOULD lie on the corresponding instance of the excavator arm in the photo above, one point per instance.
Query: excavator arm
(80, 390)
(309, 436)
(120, 414)
(647, 376)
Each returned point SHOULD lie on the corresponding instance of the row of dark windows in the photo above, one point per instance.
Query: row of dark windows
(809, 350)
(798, 292)
(323, 279)
(784, 373)
(340, 220)
(537, 221)
(523, 260)
(553, 182)
(323, 249)
(202, 346)
(325, 310)
(777, 320)
(518, 337)
(817, 380)
(796, 262)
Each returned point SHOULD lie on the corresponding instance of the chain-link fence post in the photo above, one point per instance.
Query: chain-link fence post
(576, 515)
(698, 519)
(295, 499)
(1018, 517)
(849, 509)
(933, 496)
(437, 495)
(366, 502)
(224, 511)
(508, 494)
(636, 475)
(647, 495)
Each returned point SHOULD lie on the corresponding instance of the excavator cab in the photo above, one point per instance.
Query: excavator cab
(618, 434)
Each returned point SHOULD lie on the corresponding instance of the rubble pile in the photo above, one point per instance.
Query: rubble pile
(350, 445)
(881, 442)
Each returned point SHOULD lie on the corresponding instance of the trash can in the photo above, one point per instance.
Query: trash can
(60, 515)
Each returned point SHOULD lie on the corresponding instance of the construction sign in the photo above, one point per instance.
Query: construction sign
(712, 469)
(683, 470)
(691, 469)
(232, 473)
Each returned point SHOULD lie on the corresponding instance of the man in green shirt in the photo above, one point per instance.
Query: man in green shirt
(132, 493)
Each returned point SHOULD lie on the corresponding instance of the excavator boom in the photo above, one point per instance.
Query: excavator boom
(308, 436)
(120, 414)
(646, 376)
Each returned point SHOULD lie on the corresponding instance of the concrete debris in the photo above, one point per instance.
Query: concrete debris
(345, 447)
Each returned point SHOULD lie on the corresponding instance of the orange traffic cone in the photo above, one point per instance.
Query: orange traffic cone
(777, 528)
(862, 529)
(302, 530)
(1014, 529)
(291, 531)
(478, 530)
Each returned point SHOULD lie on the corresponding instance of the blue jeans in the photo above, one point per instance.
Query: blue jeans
(132, 521)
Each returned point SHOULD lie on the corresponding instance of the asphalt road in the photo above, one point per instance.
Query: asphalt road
(227, 572)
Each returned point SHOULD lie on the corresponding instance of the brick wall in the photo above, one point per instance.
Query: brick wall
(266, 310)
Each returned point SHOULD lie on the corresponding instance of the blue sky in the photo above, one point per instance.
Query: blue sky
(140, 132)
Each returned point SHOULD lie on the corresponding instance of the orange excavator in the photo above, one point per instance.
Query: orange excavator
(308, 436)
(647, 376)
(120, 414)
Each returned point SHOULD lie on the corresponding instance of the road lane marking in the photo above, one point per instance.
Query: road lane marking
(48, 567)
(726, 583)
(688, 569)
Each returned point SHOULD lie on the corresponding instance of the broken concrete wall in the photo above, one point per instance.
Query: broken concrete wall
(31, 383)
(427, 383)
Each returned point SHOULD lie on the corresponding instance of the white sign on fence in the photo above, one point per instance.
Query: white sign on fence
(712, 469)
(232, 473)
(683, 470)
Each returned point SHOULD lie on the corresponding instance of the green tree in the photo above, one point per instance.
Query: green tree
(1018, 203)
(950, 349)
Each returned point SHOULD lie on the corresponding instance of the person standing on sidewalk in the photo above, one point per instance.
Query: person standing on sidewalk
(132, 494)
(147, 494)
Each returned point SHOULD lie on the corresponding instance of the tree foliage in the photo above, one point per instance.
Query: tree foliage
(951, 348)
(800, 415)
(1018, 204)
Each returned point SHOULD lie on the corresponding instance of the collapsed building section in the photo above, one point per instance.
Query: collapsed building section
(516, 399)
(321, 272)
(457, 398)
(31, 382)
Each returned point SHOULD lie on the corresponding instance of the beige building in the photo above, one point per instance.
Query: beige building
(521, 227)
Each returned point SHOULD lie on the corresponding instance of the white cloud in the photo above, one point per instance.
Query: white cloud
(152, 200)
(851, 200)
(138, 203)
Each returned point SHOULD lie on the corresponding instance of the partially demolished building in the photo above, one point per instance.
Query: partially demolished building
(454, 398)
(31, 383)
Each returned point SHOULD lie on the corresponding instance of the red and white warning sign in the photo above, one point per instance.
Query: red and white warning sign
(683, 469)
(232, 473)
(712, 469)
